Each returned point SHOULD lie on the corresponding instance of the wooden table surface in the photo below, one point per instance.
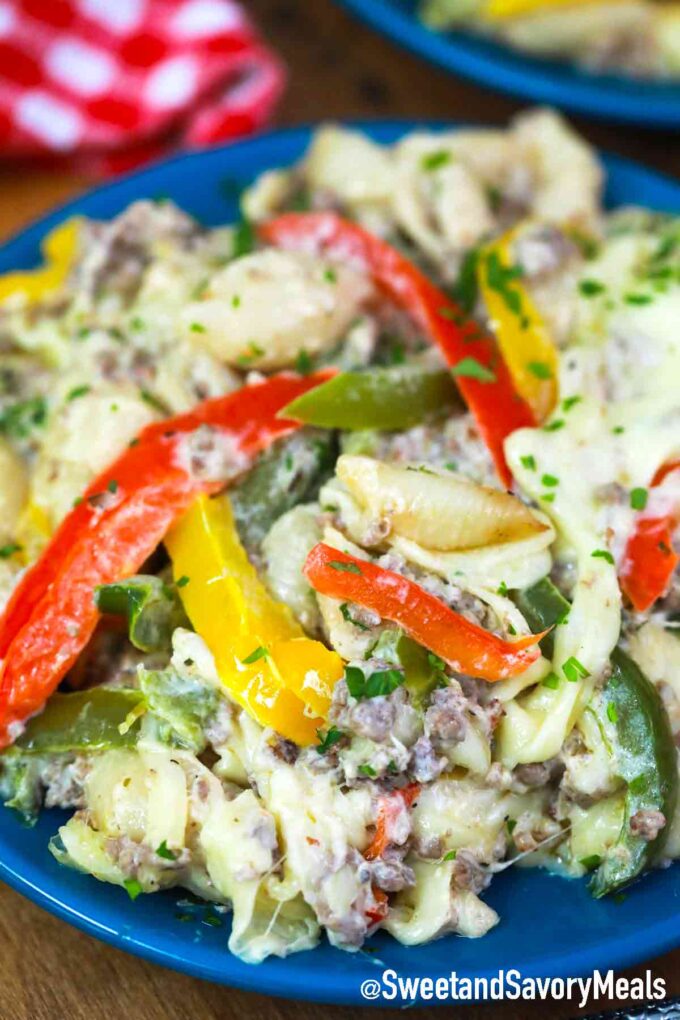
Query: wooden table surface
(338, 69)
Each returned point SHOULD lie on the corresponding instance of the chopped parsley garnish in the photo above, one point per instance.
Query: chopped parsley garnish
(367, 770)
(330, 275)
(618, 429)
(113, 485)
(540, 369)
(259, 653)
(164, 851)
(182, 581)
(254, 351)
(8, 550)
(570, 402)
(236, 301)
(152, 400)
(502, 589)
(592, 862)
(612, 713)
(500, 278)
(347, 616)
(328, 739)
(470, 368)
(435, 160)
(303, 362)
(344, 567)
(77, 391)
(197, 327)
(574, 670)
(528, 461)
(133, 887)
(552, 681)
(19, 420)
(137, 323)
(451, 465)
(383, 682)
(602, 554)
(465, 290)
(133, 442)
(550, 481)
(450, 855)
(554, 426)
(591, 288)
(638, 498)
(548, 497)
(638, 299)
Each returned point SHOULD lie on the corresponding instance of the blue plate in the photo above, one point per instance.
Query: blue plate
(607, 96)
(549, 926)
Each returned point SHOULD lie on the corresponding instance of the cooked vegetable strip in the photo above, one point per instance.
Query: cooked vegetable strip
(389, 808)
(58, 249)
(151, 608)
(646, 759)
(519, 327)
(94, 720)
(650, 560)
(123, 516)
(261, 654)
(466, 647)
(380, 398)
(481, 374)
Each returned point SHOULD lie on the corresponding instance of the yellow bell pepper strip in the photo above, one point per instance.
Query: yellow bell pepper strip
(123, 516)
(519, 327)
(481, 375)
(499, 10)
(59, 250)
(279, 676)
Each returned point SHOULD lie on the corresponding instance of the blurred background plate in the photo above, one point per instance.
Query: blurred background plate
(606, 96)
(549, 926)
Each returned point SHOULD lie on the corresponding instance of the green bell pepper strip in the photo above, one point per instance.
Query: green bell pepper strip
(644, 751)
(88, 720)
(287, 474)
(542, 606)
(152, 609)
(381, 398)
(646, 759)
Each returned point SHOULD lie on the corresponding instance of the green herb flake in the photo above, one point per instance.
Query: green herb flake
(367, 770)
(612, 713)
(18, 420)
(574, 670)
(602, 554)
(554, 426)
(303, 362)
(197, 327)
(550, 481)
(435, 160)
(113, 485)
(548, 497)
(592, 862)
(470, 368)
(618, 430)
(591, 288)
(330, 275)
(540, 369)
(77, 391)
(450, 855)
(638, 498)
(182, 581)
(236, 301)
(133, 888)
(552, 681)
(344, 567)
(502, 589)
(153, 401)
(244, 239)
(259, 653)
(8, 550)
(638, 299)
(528, 461)
(356, 681)
(347, 616)
(328, 739)
(164, 851)
(570, 402)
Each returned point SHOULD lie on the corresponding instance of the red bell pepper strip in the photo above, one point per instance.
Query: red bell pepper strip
(480, 372)
(378, 913)
(649, 561)
(389, 809)
(465, 646)
(123, 516)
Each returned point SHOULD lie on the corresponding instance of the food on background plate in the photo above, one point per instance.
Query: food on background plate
(338, 545)
(636, 38)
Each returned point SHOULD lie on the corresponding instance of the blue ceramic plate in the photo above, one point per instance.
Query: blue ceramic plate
(549, 926)
(607, 96)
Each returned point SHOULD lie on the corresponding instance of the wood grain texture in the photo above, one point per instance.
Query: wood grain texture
(338, 69)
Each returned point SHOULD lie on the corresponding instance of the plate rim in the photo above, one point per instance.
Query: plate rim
(339, 989)
(648, 104)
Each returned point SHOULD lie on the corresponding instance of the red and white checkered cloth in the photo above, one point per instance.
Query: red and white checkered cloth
(107, 84)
